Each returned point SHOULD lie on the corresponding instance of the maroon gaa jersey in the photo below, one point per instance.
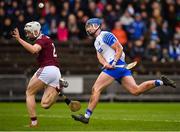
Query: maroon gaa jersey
(47, 56)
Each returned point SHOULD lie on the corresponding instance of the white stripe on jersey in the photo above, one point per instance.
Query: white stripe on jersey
(103, 44)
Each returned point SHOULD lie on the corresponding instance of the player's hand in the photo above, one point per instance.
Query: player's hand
(114, 63)
(107, 66)
(15, 34)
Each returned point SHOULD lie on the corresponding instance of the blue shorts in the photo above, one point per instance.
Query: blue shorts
(118, 73)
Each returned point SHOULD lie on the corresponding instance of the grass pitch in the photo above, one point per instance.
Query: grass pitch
(106, 117)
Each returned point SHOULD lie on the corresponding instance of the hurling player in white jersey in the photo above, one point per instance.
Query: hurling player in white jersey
(110, 53)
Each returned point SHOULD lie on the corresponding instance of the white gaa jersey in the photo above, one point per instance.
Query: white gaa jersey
(103, 44)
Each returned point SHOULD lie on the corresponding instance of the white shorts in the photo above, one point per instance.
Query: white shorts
(50, 75)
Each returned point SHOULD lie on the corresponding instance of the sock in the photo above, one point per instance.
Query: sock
(67, 101)
(33, 121)
(88, 113)
(158, 83)
(58, 90)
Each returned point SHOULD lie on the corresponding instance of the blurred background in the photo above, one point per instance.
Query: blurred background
(149, 31)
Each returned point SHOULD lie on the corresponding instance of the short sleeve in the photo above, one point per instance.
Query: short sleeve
(40, 42)
(109, 39)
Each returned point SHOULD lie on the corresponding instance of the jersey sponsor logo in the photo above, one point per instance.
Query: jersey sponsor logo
(100, 50)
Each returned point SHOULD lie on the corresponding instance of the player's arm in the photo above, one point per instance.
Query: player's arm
(118, 49)
(112, 41)
(31, 48)
(103, 61)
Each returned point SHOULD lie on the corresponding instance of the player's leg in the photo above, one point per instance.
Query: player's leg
(50, 76)
(49, 97)
(101, 83)
(129, 83)
(33, 87)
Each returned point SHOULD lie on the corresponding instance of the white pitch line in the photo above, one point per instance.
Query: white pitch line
(101, 118)
(127, 119)
(104, 118)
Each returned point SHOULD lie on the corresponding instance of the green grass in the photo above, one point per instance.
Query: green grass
(106, 117)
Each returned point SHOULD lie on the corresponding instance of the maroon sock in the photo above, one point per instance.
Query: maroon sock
(33, 118)
(58, 90)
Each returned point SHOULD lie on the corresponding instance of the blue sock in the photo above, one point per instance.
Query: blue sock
(158, 83)
(88, 113)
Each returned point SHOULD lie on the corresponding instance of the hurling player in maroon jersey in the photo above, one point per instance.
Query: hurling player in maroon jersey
(47, 76)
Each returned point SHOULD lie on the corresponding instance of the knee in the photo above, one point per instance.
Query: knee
(28, 92)
(135, 91)
(96, 90)
(45, 105)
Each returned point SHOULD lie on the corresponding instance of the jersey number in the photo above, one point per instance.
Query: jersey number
(54, 50)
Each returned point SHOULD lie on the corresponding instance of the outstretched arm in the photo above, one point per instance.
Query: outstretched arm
(31, 48)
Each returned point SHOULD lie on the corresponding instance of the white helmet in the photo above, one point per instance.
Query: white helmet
(32, 27)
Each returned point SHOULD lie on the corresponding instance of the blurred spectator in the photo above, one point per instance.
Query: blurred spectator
(2, 16)
(77, 6)
(153, 20)
(14, 9)
(165, 55)
(7, 28)
(170, 12)
(72, 27)
(120, 33)
(177, 9)
(81, 20)
(32, 15)
(137, 52)
(145, 18)
(153, 52)
(157, 16)
(177, 31)
(100, 5)
(62, 32)
(110, 16)
(52, 20)
(165, 35)
(152, 33)
(64, 12)
(118, 7)
(45, 10)
(66, 6)
(91, 9)
(128, 48)
(127, 20)
(174, 50)
(29, 3)
(45, 29)
(130, 9)
(98, 14)
(20, 24)
(8, 8)
(104, 26)
(137, 29)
